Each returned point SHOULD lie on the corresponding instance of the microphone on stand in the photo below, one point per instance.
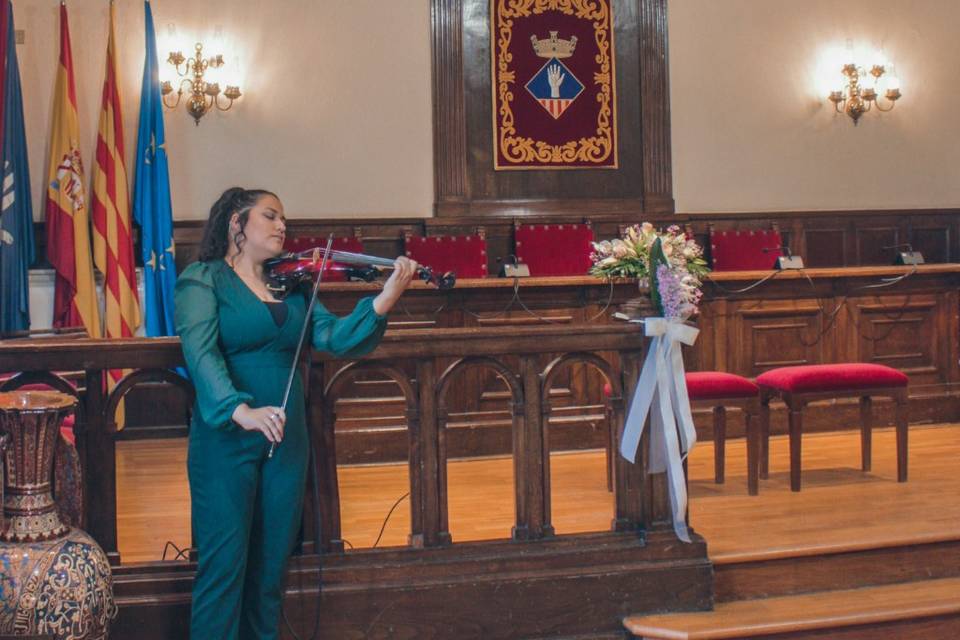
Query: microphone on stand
(905, 257)
(787, 261)
(512, 268)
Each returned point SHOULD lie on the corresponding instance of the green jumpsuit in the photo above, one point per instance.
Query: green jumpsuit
(246, 507)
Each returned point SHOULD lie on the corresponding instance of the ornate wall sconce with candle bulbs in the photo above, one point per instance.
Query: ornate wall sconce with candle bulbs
(203, 95)
(859, 93)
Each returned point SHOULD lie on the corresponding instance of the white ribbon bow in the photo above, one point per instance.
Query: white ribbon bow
(663, 388)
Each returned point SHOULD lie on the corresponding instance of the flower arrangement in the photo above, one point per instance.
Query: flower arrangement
(670, 262)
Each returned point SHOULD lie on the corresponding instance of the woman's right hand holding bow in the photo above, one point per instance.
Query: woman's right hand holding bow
(268, 420)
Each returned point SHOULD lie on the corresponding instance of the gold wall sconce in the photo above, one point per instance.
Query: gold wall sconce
(859, 93)
(203, 96)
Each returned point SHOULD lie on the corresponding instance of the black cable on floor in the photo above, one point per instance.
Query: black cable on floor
(387, 519)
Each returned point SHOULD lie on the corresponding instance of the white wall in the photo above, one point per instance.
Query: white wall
(342, 90)
(333, 89)
(751, 130)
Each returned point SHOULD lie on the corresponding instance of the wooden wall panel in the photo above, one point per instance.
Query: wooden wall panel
(824, 247)
(900, 332)
(822, 238)
(780, 334)
(933, 242)
(875, 245)
(465, 182)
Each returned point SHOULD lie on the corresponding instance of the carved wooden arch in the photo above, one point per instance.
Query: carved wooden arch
(140, 376)
(517, 420)
(614, 403)
(49, 378)
(346, 374)
(512, 380)
(325, 439)
(555, 366)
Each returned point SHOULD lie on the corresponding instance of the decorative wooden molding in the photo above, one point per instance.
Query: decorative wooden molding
(449, 126)
(655, 105)
(465, 182)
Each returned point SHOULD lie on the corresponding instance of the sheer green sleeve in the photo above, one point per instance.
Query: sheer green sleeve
(197, 321)
(350, 336)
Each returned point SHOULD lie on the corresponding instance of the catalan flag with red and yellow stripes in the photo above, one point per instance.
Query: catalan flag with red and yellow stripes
(67, 221)
(112, 230)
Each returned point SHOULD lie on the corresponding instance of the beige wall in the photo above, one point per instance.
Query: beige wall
(751, 131)
(342, 90)
(332, 88)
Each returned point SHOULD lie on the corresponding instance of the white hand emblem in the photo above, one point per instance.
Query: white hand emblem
(555, 78)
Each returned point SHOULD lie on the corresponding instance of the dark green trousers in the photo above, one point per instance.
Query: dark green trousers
(245, 511)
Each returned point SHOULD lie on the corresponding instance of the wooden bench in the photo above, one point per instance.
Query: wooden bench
(799, 385)
(717, 391)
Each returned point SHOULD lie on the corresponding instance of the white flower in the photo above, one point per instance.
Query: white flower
(620, 249)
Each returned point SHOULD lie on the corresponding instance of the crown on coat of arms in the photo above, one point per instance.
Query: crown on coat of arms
(554, 47)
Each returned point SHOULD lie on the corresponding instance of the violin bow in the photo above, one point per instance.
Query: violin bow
(303, 333)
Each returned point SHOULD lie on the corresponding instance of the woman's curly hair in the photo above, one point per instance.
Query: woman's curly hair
(216, 233)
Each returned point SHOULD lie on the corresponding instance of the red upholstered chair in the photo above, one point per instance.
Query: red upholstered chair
(466, 256)
(336, 272)
(797, 386)
(717, 390)
(744, 250)
(554, 249)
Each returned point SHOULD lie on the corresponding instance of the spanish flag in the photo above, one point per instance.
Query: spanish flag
(68, 224)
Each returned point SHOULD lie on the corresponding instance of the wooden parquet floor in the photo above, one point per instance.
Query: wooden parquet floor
(840, 507)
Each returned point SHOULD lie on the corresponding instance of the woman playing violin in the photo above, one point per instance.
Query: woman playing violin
(239, 344)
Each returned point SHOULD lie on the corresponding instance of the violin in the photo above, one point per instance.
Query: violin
(287, 271)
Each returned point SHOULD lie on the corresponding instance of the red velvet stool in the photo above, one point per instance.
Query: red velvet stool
(717, 390)
(797, 386)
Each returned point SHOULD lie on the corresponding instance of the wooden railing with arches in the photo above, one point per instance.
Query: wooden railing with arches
(515, 355)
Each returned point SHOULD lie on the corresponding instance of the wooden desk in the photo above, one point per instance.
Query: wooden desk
(793, 317)
(836, 315)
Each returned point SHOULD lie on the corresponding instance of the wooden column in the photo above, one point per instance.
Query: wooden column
(323, 419)
(449, 126)
(531, 466)
(425, 463)
(630, 478)
(99, 463)
(655, 107)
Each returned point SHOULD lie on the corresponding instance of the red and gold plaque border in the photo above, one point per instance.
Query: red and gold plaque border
(595, 150)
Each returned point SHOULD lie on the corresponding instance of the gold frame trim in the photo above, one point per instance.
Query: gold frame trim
(515, 148)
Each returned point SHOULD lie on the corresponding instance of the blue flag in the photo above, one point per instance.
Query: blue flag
(16, 214)
(151, 198)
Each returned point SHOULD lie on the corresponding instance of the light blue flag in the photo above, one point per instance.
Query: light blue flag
(151, 199)
(16, 211)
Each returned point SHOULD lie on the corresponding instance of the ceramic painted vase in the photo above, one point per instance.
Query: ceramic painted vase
(54, 579)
